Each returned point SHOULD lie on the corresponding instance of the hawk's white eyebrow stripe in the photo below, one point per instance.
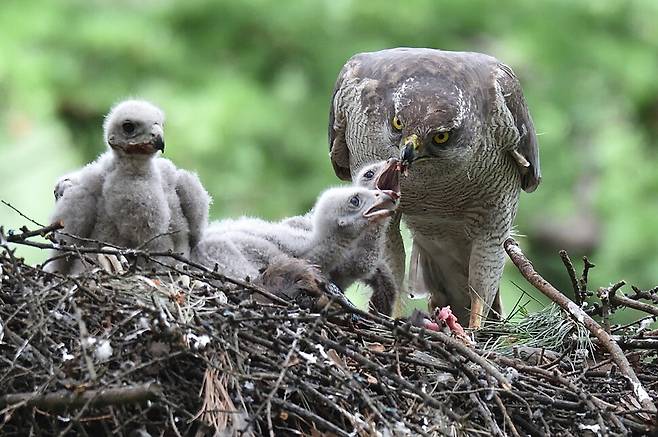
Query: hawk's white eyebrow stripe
(397, 95)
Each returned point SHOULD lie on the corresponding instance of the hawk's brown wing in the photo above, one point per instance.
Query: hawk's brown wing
(528, 146)
(338, 151)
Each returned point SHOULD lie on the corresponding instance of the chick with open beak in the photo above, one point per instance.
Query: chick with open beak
(366, 261)
(387, 177)
(383, 205)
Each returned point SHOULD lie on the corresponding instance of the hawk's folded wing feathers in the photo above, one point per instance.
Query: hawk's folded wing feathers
(528, 147)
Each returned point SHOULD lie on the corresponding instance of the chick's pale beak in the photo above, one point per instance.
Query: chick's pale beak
(408, 152)
(157, 138)
(158, 143)
(383, 207)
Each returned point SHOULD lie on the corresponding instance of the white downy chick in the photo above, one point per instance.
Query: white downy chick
(339, 218)
(129, 196)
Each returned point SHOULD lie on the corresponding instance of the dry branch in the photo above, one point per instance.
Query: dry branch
(16, 238)
(577, 313)
(93, 398)
(616, 299)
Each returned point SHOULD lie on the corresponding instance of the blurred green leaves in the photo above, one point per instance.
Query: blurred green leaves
(246, 88)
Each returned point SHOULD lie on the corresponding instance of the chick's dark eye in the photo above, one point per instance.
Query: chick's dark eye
(128, 127)
(369, 174)
(355, 201)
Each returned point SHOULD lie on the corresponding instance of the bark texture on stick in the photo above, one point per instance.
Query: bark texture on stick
(630, 303)
(96, 398)
(536, 280)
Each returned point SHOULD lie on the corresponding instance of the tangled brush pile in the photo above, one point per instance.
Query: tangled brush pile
(183, 351)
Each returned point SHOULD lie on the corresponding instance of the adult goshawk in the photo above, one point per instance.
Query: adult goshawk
(461, 123)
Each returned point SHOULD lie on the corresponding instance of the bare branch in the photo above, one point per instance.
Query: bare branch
(97, 398)
(528, 271)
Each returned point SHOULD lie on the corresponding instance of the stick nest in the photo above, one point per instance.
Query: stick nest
(180, 351)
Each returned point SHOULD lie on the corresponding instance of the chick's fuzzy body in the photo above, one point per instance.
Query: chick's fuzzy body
(134, 207)
(147, 203)
(130, 196)
(342, 242)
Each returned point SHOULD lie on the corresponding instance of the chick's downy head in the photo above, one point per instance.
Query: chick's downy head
(349, 211)
(135, 127)
(382, 175)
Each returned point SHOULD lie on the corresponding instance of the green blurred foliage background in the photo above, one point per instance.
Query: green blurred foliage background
(246, 87)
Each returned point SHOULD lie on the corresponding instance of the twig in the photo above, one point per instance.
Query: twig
(571, 271)
(66, 399)
(150, 256)
(651, 294)
(443, 338)
(508, 419)
(629, 343)
(155, 237)
(114, 250)
(627, 302)
(308, 415)
(604, 295)
(21, 214)
(593, 403)
(486, 415)
(369, 364)
(587, 265)
(617, 355)
(15, 238)
(84, 338)
(284, 368)
(25, 345)
(636, 322)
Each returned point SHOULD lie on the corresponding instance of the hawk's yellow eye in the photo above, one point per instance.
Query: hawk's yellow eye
(440, 138)
(396, 123)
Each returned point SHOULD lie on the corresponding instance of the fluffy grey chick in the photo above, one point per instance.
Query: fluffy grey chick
(367, 259)
(129, 196)
(234, 253)
(340, 217)
(288, 238)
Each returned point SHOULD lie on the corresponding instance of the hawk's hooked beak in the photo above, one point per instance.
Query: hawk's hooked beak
(410, 149)
(157, 138)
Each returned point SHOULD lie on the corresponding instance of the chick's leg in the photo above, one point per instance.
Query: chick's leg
(385, 290)
(390, 285)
